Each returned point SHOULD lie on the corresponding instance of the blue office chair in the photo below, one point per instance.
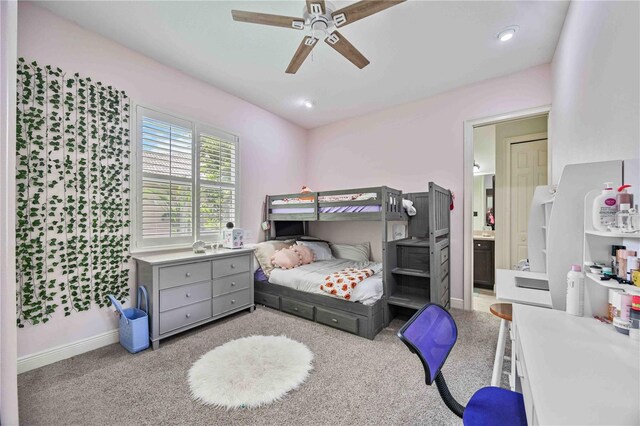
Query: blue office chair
(431, 334)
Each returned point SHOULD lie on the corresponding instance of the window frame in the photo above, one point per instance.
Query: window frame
(140, 244)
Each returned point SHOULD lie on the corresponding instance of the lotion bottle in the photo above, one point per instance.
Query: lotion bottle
(575, 291)
(605, 207)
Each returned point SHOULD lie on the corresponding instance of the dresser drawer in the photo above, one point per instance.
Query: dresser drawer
(180, 317)
(270, 300)
(231, 283)
(176, 297)
(231, 266)
(297, 308)
(172, 276)
(337, 319)
(231, 301)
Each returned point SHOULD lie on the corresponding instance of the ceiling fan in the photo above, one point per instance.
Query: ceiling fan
(322, 22)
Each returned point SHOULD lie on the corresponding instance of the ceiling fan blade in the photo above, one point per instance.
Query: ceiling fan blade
(266, 19)
(301, 54)
(346, 49)
(316, 7)
(361, 9)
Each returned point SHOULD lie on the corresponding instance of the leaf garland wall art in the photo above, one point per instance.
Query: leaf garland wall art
(73, 225)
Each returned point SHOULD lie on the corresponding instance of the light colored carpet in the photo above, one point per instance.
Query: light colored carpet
(354, 380)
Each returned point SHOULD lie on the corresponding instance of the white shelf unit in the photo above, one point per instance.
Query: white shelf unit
(597, 248)
(531, 287)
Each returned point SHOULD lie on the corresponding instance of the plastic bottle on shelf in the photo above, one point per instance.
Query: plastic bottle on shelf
(575, 291)
(634, 315)
(624, 197)
(605, 207)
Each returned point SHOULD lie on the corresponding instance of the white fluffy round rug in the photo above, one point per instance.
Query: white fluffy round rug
(250, 372)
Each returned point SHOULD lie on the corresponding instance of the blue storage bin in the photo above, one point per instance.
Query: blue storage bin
(134, 323)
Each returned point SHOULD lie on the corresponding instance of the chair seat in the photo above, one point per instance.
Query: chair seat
(493, 406)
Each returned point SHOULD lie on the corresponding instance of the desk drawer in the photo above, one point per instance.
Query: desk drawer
(297, 308)
(337, 319)
(231, 301)
(177, 297)
(172, 276)
(231, 266)
(180, 317)
(270, 300)
(231, 283)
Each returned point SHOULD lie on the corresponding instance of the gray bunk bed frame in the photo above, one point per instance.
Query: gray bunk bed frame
(428, 234)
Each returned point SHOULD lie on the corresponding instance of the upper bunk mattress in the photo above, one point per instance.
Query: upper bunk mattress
(337, 209)
(309, 278)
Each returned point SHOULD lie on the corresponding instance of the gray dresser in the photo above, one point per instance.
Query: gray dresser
(187, 289)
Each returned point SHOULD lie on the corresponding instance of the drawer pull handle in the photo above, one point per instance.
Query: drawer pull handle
(233, 301)
(188, 315)
(334, 320)
(188, 294)
(233, 266)
(188, 274)
(233, 284)
(295, 309)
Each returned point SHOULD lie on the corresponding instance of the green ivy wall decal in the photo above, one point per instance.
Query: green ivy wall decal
(73, 226)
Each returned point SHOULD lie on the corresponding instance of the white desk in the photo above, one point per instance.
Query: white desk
(575, 370)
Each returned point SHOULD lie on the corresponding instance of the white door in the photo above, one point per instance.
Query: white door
(528, 169)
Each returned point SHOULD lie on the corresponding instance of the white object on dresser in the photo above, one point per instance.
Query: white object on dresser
(188, 289)
(574, 370)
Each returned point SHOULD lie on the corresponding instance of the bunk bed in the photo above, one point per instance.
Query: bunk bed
(415, 269)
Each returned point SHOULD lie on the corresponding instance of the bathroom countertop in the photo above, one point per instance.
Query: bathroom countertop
(484, 237)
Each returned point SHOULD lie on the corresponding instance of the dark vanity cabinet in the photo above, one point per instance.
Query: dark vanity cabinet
(483, 263)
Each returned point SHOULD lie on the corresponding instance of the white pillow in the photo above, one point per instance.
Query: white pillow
(321, 250)
(355, 252)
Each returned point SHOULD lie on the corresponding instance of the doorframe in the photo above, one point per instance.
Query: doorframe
(8, 329)
(467, 195)
(503, 238)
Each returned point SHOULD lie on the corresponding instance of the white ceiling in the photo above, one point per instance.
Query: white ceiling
(416, 49)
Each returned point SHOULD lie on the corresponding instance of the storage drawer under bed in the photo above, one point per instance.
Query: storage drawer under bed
(294, 307)
(336, 319)
(270, 300)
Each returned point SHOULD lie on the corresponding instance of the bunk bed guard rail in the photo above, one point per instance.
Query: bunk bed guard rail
(376, 203)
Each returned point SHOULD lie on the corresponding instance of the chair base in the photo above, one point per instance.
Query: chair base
(492, 406)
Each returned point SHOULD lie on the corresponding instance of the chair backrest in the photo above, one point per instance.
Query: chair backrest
(431, 334)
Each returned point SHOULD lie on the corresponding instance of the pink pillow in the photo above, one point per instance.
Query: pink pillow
(285, 259)
(305, 253)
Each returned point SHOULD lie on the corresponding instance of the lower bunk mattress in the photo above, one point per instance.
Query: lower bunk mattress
(310, 278)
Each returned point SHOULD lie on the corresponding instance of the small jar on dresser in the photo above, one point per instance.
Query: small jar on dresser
(188, 289)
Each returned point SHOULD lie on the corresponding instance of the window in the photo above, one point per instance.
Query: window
(187, 180)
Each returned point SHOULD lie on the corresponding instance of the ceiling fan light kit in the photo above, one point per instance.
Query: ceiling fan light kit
(321, 22)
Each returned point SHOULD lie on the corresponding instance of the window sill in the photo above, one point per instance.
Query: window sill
(160, 249)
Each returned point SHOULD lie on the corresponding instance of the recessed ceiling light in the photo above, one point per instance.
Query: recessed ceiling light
(308, 103)
(508, 33)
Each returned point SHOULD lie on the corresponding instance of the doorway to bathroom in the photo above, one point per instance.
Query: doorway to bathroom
(510, 158)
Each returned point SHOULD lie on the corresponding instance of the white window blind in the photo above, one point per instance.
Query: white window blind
(188, 181)
(217, 183)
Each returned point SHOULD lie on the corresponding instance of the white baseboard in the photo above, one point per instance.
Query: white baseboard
(457, 303)
(58, 353)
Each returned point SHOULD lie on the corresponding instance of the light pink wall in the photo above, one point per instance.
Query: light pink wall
(407, 146)
(596, 85)
(271, 148)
